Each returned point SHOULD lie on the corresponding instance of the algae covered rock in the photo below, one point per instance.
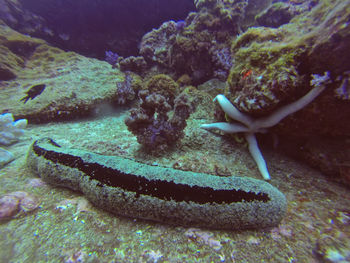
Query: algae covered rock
(156, 45)
(273, 65)
(230, 11)
(265, 71)
(11, 130)
(74, 84)
(5, 157)
(281, 13)
(14, 49)
(164, 85)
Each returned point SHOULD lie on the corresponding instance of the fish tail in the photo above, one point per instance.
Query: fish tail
(25, 99)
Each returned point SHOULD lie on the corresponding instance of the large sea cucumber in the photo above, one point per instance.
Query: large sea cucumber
(129, 188)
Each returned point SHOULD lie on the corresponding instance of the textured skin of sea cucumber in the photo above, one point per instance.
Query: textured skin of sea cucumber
(129, 188)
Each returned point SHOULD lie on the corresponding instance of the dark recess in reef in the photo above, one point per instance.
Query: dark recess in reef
(92, 27)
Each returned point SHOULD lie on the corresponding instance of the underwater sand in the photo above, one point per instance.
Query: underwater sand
(67, 228)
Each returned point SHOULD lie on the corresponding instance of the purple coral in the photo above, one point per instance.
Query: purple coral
(223, 62)
(111, 58)
(125, 92)
(151, 124)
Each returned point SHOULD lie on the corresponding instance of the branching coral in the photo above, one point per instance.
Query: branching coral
(160, 118)
(156, 123)
(125, 92)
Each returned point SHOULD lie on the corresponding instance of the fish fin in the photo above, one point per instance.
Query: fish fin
(25, 99)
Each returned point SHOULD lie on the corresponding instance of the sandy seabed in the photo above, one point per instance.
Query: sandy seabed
(67, 228)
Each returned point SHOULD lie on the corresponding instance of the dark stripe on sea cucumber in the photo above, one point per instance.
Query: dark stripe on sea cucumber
(165, 190)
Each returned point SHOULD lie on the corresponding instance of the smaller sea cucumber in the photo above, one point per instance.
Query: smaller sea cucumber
(129, 188)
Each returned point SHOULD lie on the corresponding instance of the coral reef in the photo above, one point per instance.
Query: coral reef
(164, 85)
(223, 62)
(231, 12)
(134, 64)
(159, 120)
(201, 48)
(272, 66)
(156, 45)
(265, 71)
(275, 16)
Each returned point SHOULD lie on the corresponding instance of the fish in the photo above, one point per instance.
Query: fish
(33, 92)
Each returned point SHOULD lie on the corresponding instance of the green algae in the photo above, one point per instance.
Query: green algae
(164, 85)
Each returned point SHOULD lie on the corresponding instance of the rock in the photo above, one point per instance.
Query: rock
(332, 250)
(275, 15)
(9, 206)
(5, 157)
(10, 130)
(281, 13)
(74, 84)
(15, 202)
(329, 155)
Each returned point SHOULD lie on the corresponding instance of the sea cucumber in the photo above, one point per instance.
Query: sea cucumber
(133, 189)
